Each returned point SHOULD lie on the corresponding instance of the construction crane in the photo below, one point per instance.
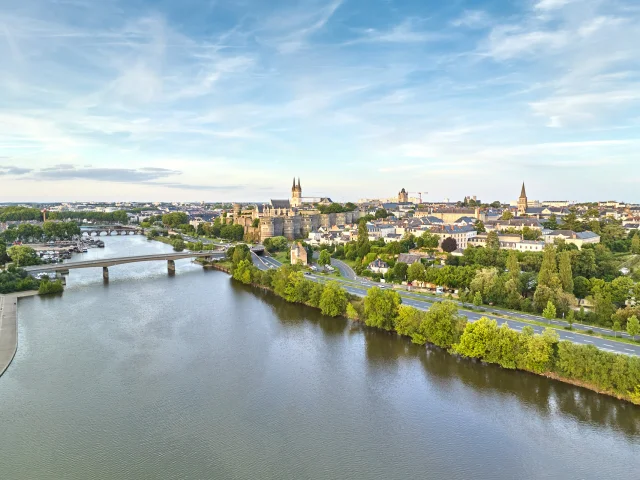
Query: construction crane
(419, 194)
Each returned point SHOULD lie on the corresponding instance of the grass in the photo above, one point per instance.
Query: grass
(282, 257)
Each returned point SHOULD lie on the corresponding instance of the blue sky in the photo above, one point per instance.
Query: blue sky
(228, 100)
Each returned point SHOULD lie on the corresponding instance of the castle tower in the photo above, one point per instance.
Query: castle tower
(296, 193)
(403, 196)
(522, 201)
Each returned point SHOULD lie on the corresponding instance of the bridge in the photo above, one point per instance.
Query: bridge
(119, 230)
(105, 263)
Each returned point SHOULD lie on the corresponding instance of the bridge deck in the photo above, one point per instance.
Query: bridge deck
(108, 262)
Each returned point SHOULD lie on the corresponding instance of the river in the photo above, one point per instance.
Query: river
(193, 376)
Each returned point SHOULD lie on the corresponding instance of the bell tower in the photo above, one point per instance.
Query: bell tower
(296, 193)
(522, 202)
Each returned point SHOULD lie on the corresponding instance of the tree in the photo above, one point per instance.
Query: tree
(408, 323)
(442, 325)
(243, 272)
(581, 287)
(493, 241)
(363, 245)
(175, 219)
(429, 240)
(616, 328)
(633, 326)
(325, 258)
(507, 215)
(571, 318)
(449, 244)
(351, 312)
(565, 273)
(549, 267)
(550, 311)
(48, 287)
(416, 272)
(513, 266)
(479, 226)
(276, 244)
(381, 308)
(381, 213)
(477, 299)
(333, 301)
(552, 223)
(635, 244)
(23, 256)
(399, 271)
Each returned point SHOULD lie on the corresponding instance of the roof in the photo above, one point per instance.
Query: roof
(408, 258)
(280, 204)
(377, 263)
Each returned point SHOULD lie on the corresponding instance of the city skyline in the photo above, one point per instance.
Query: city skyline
(214, 101)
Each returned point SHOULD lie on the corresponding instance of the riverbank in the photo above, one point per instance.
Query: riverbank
(585, 366)
(9, 326)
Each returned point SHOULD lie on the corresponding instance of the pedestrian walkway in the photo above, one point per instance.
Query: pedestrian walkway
(9, 327)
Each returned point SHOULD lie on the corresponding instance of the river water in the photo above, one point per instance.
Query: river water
(193, 376)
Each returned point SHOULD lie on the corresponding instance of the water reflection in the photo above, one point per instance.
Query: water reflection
(387, 350)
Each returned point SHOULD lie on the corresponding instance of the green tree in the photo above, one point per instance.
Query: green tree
(550, 311)
(477, 299)
(479, 226)
(243, 272)
(571, 318)
(635, 244)
(48, 287)
(552, 223)
(429, 240)
(351, 312)
(616, 328)
(381, 308)
(442, 325)
(565, 273)
(507, 215)
(416, 272)
(315, 294)
(325, 258)
(363, 245)
(549, 268)
(333, 301)
(513, 266)
(408, 323)
(493, 240)
(581, 287)
(399, 271)
(633, 326)
(23, 256)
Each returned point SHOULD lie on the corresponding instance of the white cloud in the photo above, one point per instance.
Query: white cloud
(551, 4)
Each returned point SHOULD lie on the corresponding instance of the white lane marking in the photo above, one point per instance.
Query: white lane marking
(629, 350)
(589, 341)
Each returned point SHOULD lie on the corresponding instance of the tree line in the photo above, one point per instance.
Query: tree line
(443, 326)
(119, 216)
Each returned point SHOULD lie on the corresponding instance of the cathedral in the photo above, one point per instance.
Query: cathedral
(291, 218)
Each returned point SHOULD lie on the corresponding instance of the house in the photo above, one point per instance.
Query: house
(379, 266)
(460, 234)
(509, 242)
(298, 254)
(576, 238)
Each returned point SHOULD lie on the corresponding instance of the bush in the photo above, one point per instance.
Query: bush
(48, 287)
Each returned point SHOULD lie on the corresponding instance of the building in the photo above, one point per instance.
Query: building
(461, 235)
(298, 254)
(296, 193)
(509, 242)
(403, 196)
(409, 258)
(451, 215)
(522, 202)
(576, 238)
(379, 266)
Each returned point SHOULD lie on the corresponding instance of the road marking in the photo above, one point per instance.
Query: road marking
(588, 341)
(607, 345)
(629, 350)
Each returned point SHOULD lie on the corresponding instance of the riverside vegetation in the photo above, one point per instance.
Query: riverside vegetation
(443, 326)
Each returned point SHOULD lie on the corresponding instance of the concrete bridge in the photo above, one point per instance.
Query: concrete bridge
(105, 263)
(109, 230)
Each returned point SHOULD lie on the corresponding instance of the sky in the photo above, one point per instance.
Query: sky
(220, 100)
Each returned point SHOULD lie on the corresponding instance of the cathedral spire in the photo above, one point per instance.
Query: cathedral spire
(299, 183)
(523, 193)
(294, 182)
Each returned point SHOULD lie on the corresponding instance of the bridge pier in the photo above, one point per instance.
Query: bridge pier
(105, 274)
(171, 266)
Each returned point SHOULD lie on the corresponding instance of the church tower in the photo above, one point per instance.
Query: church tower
(403, 196)
(522, 201)
(296, 193)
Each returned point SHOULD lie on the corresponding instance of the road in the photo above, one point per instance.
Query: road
(360, 288)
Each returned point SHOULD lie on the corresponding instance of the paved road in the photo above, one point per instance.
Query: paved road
(418, 301)
(108, 262)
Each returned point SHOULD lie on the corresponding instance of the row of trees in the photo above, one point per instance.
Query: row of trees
(442, 325)
(217, 229)
(119, 216)
(20, 214)
(31, 233)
